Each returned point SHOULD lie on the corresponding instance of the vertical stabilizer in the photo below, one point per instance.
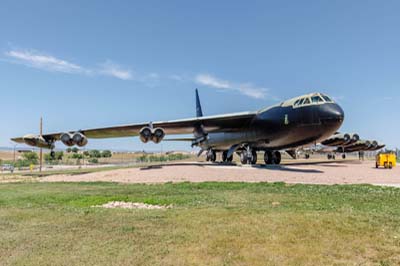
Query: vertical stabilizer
(199, 111)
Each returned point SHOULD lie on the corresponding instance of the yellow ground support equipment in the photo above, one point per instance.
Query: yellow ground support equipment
(386, 159)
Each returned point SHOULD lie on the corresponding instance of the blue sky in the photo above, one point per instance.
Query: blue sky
(83, 64)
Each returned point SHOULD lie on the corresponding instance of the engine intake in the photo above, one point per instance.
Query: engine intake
(145, 134)
(79, 139)
(158, 135)
(67, 139)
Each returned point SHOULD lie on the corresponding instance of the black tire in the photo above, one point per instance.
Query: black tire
(376, 165)
(213, 157)
(385, 165)
(52, 154)
(333, 157)
(268, 157)
(343, 156)
(229, 159)
(277, 157)
(390, 166)
(253, 157)
(307, 156)
(224, 156)
(329, 156)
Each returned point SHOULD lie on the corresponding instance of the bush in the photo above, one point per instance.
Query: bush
(30, 158)
(77, 156)
(94, 154)
(93, 160)
(106, 154)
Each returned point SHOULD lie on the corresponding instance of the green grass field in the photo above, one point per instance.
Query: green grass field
(209, 224)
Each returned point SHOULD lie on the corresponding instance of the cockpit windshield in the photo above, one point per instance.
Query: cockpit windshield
(312, 99)
(326, 98)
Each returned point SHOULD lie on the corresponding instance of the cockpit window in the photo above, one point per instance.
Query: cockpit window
(326, 98)
(306, 101)
(316, 99)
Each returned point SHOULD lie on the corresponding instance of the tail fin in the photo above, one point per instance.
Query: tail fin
(199, 111)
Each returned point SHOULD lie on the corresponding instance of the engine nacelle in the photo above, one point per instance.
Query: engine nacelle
(158, 135)
(337, 140)
(79, 139)
(145, 134)
(67, 139)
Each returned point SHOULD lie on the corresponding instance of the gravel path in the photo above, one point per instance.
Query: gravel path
(344, 172)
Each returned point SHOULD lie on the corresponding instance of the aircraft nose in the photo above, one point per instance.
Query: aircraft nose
(331, 113)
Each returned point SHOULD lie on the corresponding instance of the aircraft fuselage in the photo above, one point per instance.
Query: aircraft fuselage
(281, 127)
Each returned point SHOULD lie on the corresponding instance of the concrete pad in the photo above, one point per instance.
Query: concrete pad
(304, 172)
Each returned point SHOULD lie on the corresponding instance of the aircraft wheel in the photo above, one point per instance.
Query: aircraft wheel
(333, 157)
(53, 155)
(268, 157)
(213, 156)
(225, 156)
(253, 157)
(307, 156)
(343, 156)
(243, 157)
(229, 159)
(277, 157)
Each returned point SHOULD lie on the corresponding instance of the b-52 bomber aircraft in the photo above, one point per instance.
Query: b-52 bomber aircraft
(300, 121)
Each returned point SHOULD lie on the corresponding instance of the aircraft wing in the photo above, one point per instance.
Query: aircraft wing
(226, 123)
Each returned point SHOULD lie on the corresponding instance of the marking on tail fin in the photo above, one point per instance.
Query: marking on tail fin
(199, 111)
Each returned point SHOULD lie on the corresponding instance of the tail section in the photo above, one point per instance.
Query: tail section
(199, 111)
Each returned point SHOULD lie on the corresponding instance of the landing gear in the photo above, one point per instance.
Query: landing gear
(272, 157)
(225, 157)
(52, 155)
(307, 156)
(331, 156)
(211, 156)
(343, 156)
(276, 157)
(268, 157)
(248, 156)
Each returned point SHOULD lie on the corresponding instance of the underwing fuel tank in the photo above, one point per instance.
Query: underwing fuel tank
(37, 141)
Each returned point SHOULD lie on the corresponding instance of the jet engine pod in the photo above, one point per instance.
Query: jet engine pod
(337, 140)
(158, 135)
(145, 134)
(374, 145)
(354, 138)
(67, 139)
(79, 139)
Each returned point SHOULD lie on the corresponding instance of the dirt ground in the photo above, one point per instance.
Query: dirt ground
(338, 172)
